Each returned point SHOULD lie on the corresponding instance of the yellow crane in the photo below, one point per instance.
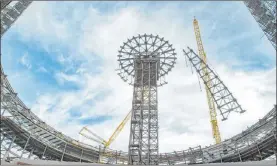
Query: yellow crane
(202, 54)
(119, 129)
(100, 140)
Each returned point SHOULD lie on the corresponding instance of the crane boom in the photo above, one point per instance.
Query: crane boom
(113, 136)
(98, 137)
(101, 140)
(211, 104)
(118, 129)
(91, 138)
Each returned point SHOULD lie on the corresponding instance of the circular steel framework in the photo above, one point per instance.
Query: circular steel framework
(142, 47)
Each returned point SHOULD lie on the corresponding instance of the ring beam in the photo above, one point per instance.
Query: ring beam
(255, 143)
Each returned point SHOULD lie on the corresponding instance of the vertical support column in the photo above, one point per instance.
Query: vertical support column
(116, 157)
(202, 154)
(148, 120)
(184, 157)
(143, 142)
(9, 148)
(64, 151)
(259, 151)
(3, 137)
(44, 152)
(99, 158)
(32, 151)
(238, 151)
(81, 155)
(275, 151)
(25, 146)
(2, 112)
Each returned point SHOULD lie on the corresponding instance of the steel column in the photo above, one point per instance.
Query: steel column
(64, 151)
(238, 151)
(81, 155)
(2, 139)
(184, 157)
(30, 153)
(9, 148)
(143, 145)
(25, 146)
(2, 112)
(259, 152)
(44, 151)
(116, 157)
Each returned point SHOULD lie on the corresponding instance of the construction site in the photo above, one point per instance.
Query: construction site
(144, 61)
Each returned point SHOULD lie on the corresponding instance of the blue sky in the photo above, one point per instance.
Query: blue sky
(61, 60)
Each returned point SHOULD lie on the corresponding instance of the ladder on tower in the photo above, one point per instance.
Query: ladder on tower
(211, 104)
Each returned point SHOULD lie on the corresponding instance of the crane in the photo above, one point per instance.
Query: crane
(211, 104)
(118, 129)
(100, 140)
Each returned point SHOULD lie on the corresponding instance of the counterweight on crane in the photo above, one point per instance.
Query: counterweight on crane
(212, 110)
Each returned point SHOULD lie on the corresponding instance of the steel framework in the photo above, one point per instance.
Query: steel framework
(224, 99)
(24, 135)
(146, 59)
(10, 12)
(264, 13)
(20, 128)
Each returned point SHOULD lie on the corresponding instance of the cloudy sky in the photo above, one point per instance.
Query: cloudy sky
(61, 58)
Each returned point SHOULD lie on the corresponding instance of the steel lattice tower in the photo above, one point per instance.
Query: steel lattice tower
(144, 61)
(264, 13)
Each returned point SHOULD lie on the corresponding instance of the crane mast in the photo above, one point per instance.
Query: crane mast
(211, 104)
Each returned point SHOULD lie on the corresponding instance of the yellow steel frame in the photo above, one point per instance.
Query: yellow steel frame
(202, 54)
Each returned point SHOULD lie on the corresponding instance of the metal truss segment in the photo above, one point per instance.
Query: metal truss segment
(221, 95)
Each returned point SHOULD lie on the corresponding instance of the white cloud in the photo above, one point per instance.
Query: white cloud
(183, 110)
(63, 77)
(42, 69)
(25, 61)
